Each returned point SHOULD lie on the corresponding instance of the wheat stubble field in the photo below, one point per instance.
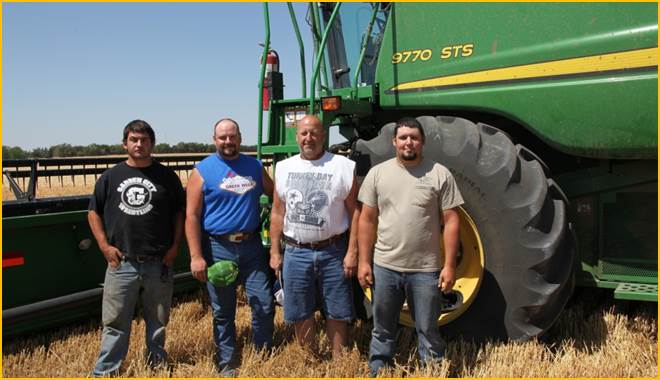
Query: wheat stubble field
(594, 337)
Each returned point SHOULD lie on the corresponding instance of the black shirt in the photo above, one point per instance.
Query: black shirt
(138, 207)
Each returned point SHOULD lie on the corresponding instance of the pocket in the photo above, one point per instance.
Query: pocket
(112, 269)
(422, 196)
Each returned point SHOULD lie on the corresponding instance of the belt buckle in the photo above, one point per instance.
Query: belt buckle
(236, 238)
(140, 259)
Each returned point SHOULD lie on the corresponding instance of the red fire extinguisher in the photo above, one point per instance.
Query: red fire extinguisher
(273, 87)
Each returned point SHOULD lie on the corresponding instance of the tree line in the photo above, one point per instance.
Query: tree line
(68, 150)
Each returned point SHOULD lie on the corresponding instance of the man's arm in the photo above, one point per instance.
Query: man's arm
(173, 251)
(353, 208)
(276, 227)
(368, 222)
(194, 200)
(111, 253)
(450, 239)
(267, 183)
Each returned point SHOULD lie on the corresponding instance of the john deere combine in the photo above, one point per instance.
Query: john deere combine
(546, 114)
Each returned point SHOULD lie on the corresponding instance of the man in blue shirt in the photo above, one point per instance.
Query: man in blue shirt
(222, 223)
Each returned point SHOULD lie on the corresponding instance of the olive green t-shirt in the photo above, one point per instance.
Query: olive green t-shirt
(410, 201)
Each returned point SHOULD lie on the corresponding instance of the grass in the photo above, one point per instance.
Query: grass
(592, 338)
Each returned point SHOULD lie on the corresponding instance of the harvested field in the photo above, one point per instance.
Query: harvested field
(594, 337)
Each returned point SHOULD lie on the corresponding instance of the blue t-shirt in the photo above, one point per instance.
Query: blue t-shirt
(231, 192)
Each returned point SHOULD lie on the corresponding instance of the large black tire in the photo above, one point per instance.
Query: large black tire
(521, 218)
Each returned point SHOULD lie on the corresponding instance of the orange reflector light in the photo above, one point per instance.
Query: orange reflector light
(331, 104)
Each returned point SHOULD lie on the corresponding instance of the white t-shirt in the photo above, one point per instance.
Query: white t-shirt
(314, 194)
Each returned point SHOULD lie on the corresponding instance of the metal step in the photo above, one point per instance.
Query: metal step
(636, 292)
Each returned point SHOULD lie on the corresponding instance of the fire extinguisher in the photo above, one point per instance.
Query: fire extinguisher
(273, 86)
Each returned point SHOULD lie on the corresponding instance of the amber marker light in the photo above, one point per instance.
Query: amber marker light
(332, 103)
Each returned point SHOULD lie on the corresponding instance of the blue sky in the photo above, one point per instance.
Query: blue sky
(78, 72)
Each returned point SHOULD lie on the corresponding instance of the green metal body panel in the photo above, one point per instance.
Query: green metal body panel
(601, 112)
(614, 210)
(60, 258)
(54, 264)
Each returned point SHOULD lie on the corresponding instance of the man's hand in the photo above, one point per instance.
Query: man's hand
(276, 261)
(112, 255)
(169, 257)
(198, 269)
(447, 279)
(365, 275)
(350, 263)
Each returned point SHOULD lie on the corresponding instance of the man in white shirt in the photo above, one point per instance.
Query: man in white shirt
(314, 207)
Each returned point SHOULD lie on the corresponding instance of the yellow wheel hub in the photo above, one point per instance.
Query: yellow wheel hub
(469, 271)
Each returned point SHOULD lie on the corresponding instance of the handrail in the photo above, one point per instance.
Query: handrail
(261, 81)
(363, 50)
(302, 49)
(319, 56)
(316, 27)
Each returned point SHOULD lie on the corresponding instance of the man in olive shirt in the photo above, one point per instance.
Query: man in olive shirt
(399, 228)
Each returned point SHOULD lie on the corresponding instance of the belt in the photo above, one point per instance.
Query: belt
(315, 245)
(141, 258)
(236, 237)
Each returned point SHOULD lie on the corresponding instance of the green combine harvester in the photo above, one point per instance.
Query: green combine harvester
(546, 114)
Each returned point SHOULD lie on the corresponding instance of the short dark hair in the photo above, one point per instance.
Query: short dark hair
(139, 126)
(238, 128)
(409, 122)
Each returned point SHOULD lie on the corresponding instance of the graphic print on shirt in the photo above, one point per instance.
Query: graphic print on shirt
(237, 184)
(136, 194)
(306, 198)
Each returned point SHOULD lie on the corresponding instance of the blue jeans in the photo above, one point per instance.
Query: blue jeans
(150, 281)
(254, 273)
(309, 273)
(390, 289)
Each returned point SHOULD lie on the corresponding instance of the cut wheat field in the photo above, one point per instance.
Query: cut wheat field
(594, 337)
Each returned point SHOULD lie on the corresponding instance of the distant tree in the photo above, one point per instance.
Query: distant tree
(13, 152)
(163, 148)
(39, 153)
(192, 147)
(60, 150)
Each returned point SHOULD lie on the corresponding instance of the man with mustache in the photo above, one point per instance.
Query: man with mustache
(222, 223)
(314, 207)
(405, 202)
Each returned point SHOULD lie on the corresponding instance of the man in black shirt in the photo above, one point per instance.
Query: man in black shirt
(136, 215)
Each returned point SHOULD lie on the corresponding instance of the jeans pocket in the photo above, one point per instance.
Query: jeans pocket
(112, 269)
